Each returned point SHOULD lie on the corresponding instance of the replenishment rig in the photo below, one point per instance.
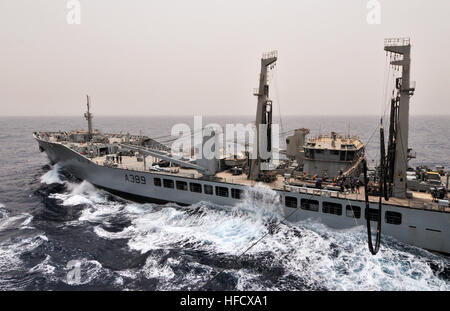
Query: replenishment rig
(308, 184)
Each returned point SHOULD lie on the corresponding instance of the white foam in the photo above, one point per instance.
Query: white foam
(308, 251)
(249, 281)
(20, 221)
(77, 193)
(164, 272)
(82, 193)
(320, 256)
(83, 188)
(52, 176)
(3, 211)
(261, 200)
(10, 252)
(340, 260)
(209, 230)
(153, 269)
(43, 267)
(100, 212)
(221, 229)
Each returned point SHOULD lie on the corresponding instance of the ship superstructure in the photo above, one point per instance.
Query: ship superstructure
(333, 156)
(131, 166)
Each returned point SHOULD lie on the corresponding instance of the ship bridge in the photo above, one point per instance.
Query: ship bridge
(331, 155)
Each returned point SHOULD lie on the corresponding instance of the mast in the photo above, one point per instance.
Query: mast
(263, 115)
(401, 56)
(88, 116)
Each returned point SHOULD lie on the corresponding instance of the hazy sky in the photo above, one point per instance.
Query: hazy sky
(184, 57)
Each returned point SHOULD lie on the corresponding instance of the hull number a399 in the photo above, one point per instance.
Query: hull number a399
(135, 179)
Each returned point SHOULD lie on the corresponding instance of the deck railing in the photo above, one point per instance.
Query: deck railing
(397, 41)
(318, 192)
(271, 54)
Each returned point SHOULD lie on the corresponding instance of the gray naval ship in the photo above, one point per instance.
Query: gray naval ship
(324, 178)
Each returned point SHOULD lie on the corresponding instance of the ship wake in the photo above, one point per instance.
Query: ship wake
(125, 245)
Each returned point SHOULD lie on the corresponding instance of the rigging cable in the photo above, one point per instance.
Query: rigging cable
(374, 250)
(271, 230)
(385, 95)
(277, 96)
(165, 141)
(387, 78)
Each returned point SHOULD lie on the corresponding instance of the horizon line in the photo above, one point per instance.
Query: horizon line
(213, 115)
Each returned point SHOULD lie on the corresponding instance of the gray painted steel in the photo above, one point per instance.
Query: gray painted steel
(429, 229)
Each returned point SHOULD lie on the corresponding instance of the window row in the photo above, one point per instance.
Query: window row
(353, 211)
(344, 155)
(195, 187)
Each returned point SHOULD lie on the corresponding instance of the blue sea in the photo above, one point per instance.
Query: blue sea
(60, 233)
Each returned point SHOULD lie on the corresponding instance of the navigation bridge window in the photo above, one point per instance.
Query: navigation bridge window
(208, 189)
(196, 187)
(393, 218)
(373, 214)
(221, 191)
(157, 182)
(353, 211)
(310, 205)
(347, 155)
(291, 202)
(182, 185)
(236, 193)
(332, 208)
(168, 183)
(309, 153)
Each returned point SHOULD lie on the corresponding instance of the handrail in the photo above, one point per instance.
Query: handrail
(165, 156)
(397, 41)
(271, 54)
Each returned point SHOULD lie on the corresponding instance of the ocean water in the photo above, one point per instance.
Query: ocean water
(53, 226)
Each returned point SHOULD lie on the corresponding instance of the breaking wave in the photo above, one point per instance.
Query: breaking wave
(173, 247)
(52, 176)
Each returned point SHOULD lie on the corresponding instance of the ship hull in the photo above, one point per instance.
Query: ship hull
(428, 229)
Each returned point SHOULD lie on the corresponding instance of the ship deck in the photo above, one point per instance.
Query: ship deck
(419, 200)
